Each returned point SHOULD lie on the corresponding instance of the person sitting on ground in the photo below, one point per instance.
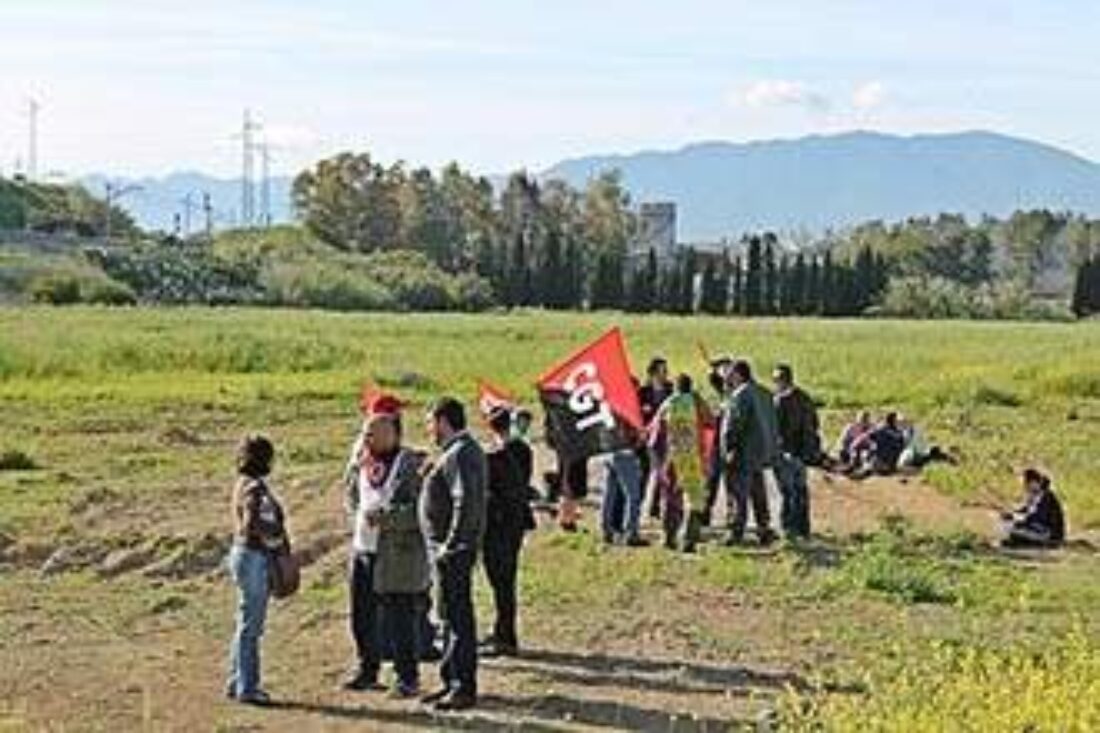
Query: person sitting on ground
(259, 533)
(918, 453)
(507, 518)
(880, 450)
(1039, 522)
(853, 436)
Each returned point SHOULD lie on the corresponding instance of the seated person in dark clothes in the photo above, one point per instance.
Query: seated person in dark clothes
(1039, 522)
(882, 447)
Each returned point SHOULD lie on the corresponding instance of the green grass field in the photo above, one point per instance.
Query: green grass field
(118, 433)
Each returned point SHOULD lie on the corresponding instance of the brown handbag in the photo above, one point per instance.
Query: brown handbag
(284, 573)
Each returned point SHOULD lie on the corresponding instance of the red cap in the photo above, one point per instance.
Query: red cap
(384, 404)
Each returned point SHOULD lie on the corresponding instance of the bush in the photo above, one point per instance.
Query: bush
(110, 292)
(935, 297)
(16, 460)
(56, 290)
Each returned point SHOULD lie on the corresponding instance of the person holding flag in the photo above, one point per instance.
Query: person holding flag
(683, 424)
(591, 406)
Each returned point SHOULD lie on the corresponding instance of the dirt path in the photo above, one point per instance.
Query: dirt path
(139, 652)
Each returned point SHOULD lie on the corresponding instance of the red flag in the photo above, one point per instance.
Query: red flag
(590, 399)
(367, 396)
(490, 397)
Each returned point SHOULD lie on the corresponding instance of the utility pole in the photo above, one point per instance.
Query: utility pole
(265, 184)
(189, 205)
(33, 108)
(208, 213)
(248, 145)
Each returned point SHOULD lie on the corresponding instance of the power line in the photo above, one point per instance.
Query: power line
(248, 146)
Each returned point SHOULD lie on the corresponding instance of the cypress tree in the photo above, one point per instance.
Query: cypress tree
(786, 304)
(828, 285)
(754, 285)
(796, 286)
(771, 276)
(686, 300)
(552, 280)
(737, 294)
(574, 272)
(814, 304)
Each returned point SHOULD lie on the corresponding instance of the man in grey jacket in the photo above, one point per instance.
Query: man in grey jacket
(452, 513)
(750, 446)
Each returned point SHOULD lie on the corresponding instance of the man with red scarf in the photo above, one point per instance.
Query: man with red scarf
(390, 573)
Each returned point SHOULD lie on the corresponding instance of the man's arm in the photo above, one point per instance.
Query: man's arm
(351, 477)
(460, 505)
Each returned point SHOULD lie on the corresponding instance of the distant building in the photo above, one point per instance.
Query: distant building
(656, 231)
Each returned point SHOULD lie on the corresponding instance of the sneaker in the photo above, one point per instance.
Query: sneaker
(735, 540)
(637, 541)
(767, 537)
(456, 701)
(608, 538)
(363, 682)
(256, 697)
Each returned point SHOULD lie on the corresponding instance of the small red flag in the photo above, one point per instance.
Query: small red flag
(491, 397)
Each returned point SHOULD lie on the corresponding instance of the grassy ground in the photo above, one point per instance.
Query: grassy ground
(117, 441)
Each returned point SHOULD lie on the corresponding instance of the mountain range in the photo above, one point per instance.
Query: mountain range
(722, 189)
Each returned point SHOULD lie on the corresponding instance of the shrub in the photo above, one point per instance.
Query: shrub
(110, 292)
(16, 460)
(935, 297)
(56, 290)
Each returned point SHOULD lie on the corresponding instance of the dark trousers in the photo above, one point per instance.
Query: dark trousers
(501, 553)
(714, 478)
(458, 669)
(746, 486)
(378, 622)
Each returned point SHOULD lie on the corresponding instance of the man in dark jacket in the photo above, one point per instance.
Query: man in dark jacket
(508, 517)
(452, 514)
(1040, 522)
(799, 447)
(749, 444)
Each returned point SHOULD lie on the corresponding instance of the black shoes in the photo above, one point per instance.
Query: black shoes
(456, 701)
(363, 682)
(434, 697)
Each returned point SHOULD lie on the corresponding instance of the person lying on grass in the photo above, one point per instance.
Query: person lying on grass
(1039, 521)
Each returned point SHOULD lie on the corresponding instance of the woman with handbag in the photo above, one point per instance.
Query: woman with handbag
(260, 549)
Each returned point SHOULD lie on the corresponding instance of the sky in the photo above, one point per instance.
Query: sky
(135, 87)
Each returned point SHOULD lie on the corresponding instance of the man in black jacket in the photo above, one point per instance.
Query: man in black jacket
(452, 514)
(799, 447)
(508, 517)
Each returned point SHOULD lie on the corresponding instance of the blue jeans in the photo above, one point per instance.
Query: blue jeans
(790, 472)
(249, 570)
(458, 669)
(622, 482)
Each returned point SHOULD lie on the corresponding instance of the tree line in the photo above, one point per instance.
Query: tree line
(547, 244)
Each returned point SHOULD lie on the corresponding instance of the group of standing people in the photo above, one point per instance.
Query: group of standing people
(687, 452)
(419, 526)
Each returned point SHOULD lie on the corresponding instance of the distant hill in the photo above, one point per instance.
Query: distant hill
(724, 189)
(160, 199)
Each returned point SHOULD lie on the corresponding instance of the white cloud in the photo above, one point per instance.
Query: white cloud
(784, 93)
(869, 95)
(289, 136)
